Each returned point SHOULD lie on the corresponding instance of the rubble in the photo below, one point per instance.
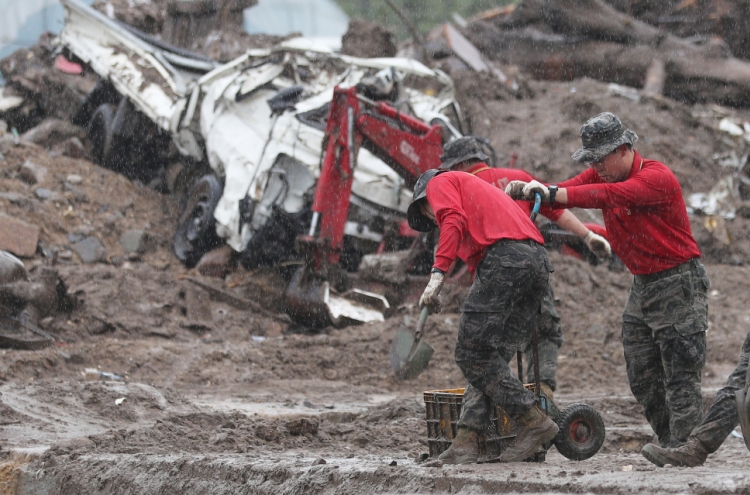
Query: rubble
(368, 40)
(18, 237)
(567, 39)
(90, 250)
(31, 173)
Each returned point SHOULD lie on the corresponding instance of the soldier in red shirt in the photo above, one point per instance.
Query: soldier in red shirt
(504, 252)
(665, 318)
(466, 154)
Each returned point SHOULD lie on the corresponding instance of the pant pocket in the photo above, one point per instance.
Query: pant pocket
(688, 352)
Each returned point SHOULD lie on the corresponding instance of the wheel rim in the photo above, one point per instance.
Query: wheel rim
(580, 431)
(196, 221)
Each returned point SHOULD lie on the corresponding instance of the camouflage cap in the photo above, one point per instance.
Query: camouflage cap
(601, 135)
(460, 150)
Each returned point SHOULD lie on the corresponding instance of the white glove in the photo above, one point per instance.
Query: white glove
(598, 245)
(532, 188)
(431, 295)
(514, 189)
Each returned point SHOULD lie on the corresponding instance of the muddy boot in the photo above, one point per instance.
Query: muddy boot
(463, 450)
(692, 454)
(535, 428)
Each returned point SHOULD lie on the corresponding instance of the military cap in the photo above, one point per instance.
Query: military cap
(601, 135)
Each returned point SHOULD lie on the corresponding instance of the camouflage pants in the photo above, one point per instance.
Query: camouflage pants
(722, 418)
(550, 338)
(664, 339)
(497, 320)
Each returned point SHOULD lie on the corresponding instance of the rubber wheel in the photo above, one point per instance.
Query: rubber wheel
(196, 229)
(99, 132)
(581, 432)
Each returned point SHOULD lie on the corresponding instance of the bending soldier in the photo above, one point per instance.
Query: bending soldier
(466, 155)
(504, 252)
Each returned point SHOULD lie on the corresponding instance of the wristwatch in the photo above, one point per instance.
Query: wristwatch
(552, 188)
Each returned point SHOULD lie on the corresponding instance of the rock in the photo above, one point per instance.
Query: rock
(136, 241)
(43, 193)
(53, 131)
(319, 461)
(72, 147)
(90, 250)
(18, 237)
(14, 198)
(216, 263)
(302, 426)
(74, 193)
(74, 179)
(31, 173)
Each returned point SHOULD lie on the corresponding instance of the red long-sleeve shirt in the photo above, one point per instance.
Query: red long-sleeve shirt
(645, 215)
(500, 177)
(472, 216)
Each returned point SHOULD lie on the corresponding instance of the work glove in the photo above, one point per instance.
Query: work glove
(598, 245)
(431, 295)
(532, 188)
(514, 189)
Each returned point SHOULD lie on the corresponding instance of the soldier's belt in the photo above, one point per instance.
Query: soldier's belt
(653, 277)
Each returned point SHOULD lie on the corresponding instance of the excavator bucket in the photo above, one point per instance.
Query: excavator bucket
(743, 408)
(311, 302)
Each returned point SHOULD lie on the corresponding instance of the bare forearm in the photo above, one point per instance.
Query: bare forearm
(570, 222)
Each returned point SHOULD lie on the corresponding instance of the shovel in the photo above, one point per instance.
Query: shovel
(409, 353)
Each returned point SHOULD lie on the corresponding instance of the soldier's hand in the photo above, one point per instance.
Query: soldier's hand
(598, 245)
(431, 295)
(533, 188)
(514, 189)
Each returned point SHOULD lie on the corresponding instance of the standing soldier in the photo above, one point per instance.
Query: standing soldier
(665, 319)
(465, 154)
(504, 252)
(721, 419)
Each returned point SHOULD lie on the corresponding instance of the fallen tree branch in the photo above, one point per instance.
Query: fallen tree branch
(235, 301)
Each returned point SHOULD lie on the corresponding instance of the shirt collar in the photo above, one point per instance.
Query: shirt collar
(476, 168)
(637, 164)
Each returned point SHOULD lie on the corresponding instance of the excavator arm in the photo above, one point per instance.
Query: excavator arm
(405, 143)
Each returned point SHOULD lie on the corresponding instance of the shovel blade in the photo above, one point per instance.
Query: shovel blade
(409, 357)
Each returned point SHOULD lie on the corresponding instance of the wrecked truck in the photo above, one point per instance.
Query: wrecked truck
(256, 124)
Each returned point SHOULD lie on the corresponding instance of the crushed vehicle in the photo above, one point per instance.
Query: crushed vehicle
(257, 124)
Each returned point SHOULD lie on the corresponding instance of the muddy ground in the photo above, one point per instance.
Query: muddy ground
(213, 398)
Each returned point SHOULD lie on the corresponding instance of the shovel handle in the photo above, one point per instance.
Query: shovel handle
(421, 323)
(537, 206)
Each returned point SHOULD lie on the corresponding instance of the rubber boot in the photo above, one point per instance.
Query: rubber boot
(535, 428)
(463, 450)
(692, 454)
(547, 390)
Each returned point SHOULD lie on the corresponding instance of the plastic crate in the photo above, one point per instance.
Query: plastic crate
(443, 409)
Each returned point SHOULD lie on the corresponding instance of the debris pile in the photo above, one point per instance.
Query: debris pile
(570, 39)
(213, 28)
(40, 84)
(368, 40)
(697, 20)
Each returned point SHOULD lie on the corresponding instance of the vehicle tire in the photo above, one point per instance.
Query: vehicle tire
(99, 132)
(196, 229)
(581, 432)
